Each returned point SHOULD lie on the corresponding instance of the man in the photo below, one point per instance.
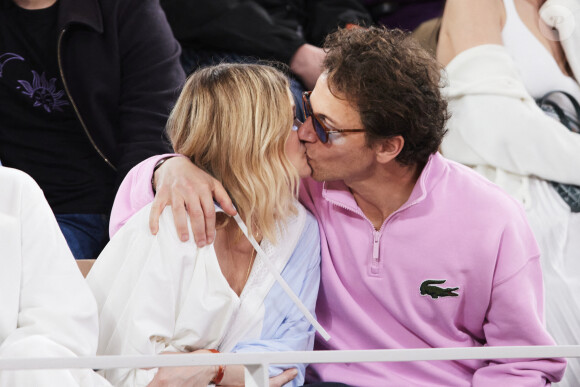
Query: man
(48, 309)
(417, 251)
(85, 91)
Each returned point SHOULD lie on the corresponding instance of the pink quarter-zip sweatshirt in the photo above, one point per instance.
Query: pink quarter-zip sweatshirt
(456, 266)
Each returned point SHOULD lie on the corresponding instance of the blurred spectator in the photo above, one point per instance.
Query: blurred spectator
(47, 307)
(86, 87)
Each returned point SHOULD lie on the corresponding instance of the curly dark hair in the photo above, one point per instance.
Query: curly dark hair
(393, 83)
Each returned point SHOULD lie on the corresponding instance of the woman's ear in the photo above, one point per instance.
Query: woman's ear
(388, 149)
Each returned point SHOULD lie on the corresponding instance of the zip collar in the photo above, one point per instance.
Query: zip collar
(339, 194)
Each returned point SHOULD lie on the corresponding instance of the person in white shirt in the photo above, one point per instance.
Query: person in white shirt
(47, 307)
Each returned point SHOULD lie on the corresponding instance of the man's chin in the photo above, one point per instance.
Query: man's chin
(314, 174)
(317, 176)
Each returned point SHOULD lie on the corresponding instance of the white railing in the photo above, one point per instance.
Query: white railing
(257, 364)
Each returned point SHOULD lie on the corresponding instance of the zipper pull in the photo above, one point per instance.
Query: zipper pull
(376, 257)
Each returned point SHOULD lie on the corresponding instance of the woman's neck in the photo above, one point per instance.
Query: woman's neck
(235, 256)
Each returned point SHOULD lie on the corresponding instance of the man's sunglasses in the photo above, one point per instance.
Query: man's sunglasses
(321, 130)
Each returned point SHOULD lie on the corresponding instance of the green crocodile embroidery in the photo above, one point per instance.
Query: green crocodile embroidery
(427, 289)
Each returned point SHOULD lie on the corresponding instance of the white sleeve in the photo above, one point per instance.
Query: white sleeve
(495, 122)
(136, 282)
(57, 314)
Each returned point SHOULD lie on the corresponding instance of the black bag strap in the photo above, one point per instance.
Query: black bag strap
(569, 96)
(568, 192)
(568, 121)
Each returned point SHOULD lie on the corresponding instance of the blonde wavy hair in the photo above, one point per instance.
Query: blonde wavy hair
(233, 120)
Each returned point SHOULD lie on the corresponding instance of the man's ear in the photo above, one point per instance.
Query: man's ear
(389, 148)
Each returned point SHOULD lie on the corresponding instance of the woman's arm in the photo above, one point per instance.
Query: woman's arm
(469, 23)
(137, 283)
(495, 122)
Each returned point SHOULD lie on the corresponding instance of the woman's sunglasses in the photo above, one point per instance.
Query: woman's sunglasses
(321, 130)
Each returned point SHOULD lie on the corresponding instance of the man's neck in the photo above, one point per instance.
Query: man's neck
(34, 4)
(385, 191)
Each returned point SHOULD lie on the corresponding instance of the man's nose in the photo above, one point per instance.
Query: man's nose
(306, 131)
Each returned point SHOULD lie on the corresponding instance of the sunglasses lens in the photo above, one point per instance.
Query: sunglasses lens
(320, 132)
(318, 128)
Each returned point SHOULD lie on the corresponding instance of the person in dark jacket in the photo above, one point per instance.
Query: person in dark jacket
(86, 87)
(214, 31)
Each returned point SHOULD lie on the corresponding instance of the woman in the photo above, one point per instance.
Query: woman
(500, 57)
(157, 294)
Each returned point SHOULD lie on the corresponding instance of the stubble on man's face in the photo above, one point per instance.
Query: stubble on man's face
(352, 161)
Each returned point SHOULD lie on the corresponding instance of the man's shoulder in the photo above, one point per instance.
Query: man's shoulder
(471, 188)
(485, 220)
(464, 196)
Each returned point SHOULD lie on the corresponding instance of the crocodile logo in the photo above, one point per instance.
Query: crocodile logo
(428, 289)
